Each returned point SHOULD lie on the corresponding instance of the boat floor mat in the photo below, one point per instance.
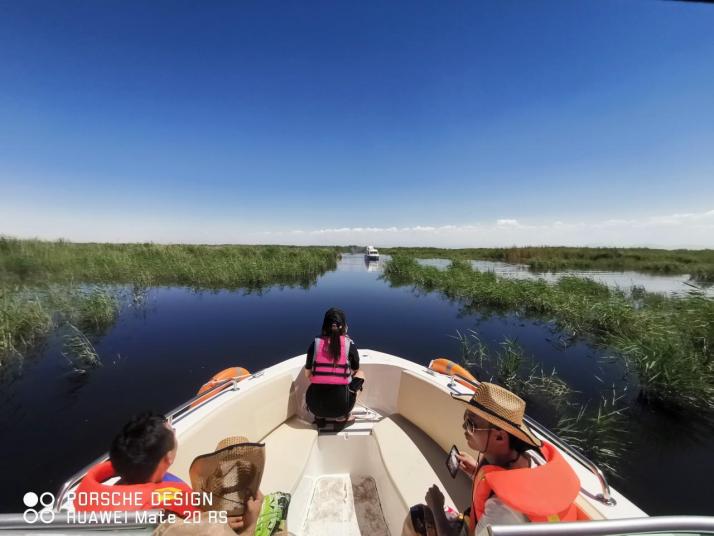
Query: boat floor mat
(344, 506)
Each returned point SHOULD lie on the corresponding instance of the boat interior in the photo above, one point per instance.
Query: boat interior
(363, 478)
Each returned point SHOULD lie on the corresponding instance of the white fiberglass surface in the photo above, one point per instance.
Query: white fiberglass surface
(345, 490)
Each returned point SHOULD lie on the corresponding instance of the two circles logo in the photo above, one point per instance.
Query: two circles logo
(45, 514)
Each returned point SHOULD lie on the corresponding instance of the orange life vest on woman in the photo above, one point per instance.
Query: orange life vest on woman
(325, 370)
(94, 496)
(543, 493)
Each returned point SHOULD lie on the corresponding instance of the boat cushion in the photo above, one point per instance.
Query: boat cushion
(415, 462)
(287, 449)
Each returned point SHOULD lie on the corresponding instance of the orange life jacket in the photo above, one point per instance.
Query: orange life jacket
(92, 495)
(543, 493)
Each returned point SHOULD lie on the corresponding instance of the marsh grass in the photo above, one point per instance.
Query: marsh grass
(510, 367)
(23, 322)
(28, 316)
(600, 434)
(79, 350)
(47, 285)
(29, 262)
(667, 342)
(97, 311)
(699, 264)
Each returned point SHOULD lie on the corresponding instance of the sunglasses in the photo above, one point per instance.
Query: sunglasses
(471, 427)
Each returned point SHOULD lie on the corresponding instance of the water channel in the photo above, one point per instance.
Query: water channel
(54, 421)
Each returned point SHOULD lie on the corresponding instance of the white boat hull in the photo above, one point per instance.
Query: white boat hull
(406, 422)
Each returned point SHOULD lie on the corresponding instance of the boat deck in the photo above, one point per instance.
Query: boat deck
(345, 505)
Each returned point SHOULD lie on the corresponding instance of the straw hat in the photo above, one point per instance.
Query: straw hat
(232, 473)
(501, 408)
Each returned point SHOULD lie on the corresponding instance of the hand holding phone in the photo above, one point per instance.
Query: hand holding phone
(452, 461)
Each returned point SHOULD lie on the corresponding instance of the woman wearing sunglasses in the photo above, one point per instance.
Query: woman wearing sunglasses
(506, 488)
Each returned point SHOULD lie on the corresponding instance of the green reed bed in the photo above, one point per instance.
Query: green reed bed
(699, 264)
(46, 286)
(510, 367)
(668, 342)
(31, 261)
(28, 316)
(600, 434)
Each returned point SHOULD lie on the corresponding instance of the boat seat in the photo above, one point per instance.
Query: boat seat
(415, 462)
(287, 450)
(430, 407)
(254, 415)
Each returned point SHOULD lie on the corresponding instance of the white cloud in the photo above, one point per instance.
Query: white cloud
(688, 230)
(693, 230)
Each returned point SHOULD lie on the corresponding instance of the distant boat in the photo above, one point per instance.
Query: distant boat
(371, 253)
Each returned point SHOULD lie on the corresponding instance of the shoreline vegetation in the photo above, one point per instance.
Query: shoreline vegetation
(667, 342)
(197, 266)
(61, 286)
(698, 264)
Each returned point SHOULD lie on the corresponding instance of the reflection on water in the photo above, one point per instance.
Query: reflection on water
(167, 341)
(675, 285)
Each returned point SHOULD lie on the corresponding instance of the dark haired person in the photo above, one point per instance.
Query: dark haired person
(508, 488)
(140, 457)
(332, 365)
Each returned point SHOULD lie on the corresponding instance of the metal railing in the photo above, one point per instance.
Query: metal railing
(180, 411)
(645, 525)
(604, 497)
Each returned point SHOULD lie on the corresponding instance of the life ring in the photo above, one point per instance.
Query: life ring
(449, 368)
(231, 373)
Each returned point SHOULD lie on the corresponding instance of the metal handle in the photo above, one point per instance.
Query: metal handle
(646, 525)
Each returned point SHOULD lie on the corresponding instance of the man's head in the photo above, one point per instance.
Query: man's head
(144, 449)
(494, 421)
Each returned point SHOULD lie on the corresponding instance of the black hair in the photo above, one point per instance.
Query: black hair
(137, 450)
(518, 444)
(334, 325)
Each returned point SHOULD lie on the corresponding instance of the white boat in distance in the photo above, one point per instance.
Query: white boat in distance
(363, 479)
(371, 253)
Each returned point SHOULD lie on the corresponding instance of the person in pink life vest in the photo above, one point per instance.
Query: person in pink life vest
(332, 365)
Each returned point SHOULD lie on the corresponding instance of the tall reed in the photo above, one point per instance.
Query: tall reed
(699, 264)
(32, 261)
(667, 341)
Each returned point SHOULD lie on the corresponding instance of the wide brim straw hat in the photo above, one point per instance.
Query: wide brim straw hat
(232, 473)
(501, 408)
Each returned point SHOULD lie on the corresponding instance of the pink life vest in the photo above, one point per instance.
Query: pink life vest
(326, 370)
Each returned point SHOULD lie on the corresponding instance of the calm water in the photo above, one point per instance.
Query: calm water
(54, 422)
(675, 285)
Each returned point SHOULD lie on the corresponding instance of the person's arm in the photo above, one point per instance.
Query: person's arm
(467, 464)
(353, 357)
(246, 523)
(309, 359)
(435, 501)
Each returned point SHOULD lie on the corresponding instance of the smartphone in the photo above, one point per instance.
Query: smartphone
(452, 462)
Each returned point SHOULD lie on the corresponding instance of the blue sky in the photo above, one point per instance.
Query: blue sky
(399, 123)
